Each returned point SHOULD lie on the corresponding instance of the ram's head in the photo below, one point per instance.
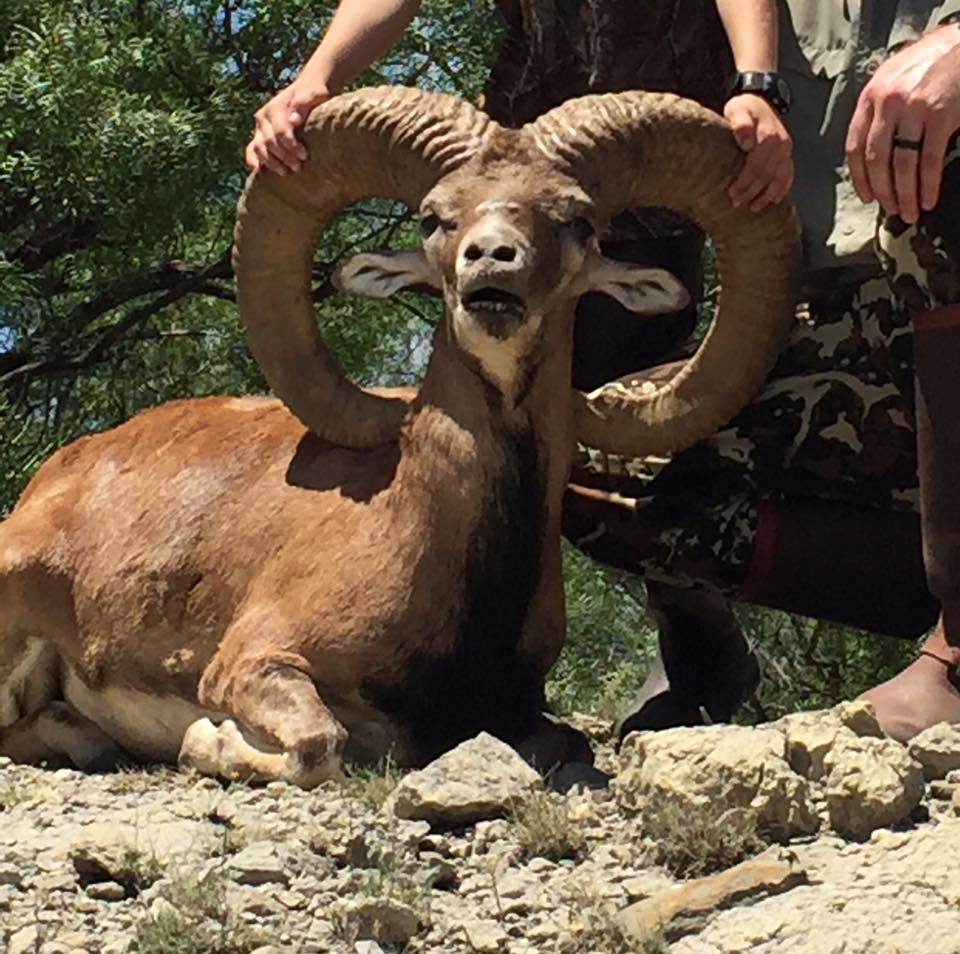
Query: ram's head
(511, 246)
(509, 219)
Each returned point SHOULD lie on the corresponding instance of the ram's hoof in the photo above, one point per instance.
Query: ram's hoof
(226, 752)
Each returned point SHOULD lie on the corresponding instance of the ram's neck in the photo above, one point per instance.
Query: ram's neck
(485, 478)
(466, 434)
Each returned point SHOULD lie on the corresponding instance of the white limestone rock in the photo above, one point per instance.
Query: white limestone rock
(480, 779)
(734, 766)
(869, 784)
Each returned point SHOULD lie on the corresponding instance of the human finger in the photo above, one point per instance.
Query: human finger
(765, 163)
(264, 158)
(855, 146)
(765, 198)
(877, 155)
(749, 182)
(743, 124)
(758, 169)
(774, 177)
(251, 158)
(786, 182)
(284, 123)
(907, 143)
(776, 191)
(270, 127)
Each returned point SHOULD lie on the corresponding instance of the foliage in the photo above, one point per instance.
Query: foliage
(813, 664)
(596, 929)
(610, 639)
(196, 919)
(121, 126)
(137, 870)
(690, 843)
(372, 786)
(544, 829)
(14, 793)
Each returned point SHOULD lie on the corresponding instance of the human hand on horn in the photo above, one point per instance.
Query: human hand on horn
(274, 145)
(906, 114)
(360, 32)
(767, 173)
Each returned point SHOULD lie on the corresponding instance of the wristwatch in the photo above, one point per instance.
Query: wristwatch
(771, 86)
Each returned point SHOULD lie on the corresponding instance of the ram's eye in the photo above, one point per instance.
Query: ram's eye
(429, 224)
(581, 228)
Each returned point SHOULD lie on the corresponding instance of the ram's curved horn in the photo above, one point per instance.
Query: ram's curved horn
(631, 150)
(388, 142)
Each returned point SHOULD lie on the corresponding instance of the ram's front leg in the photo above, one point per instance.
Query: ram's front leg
(277, 726)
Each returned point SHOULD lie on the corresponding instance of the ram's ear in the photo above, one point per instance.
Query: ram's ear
(382, 274)
(645, 290)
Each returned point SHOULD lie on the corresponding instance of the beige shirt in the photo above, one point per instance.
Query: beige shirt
(828, 51)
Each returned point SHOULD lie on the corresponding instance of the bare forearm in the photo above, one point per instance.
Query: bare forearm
(360, 32)
(751, 27)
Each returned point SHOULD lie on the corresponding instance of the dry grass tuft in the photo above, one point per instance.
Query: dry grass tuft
(195, 919)
(596, 930)
(544, 828)
(16, 793)
(694, 842)
(372, 786)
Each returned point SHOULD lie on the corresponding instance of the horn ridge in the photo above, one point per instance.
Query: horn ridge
(385, 142)
(636, 149)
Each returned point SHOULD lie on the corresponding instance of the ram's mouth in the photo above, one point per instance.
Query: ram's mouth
(495, 302)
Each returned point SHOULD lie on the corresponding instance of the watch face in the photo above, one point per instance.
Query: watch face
(771, 86)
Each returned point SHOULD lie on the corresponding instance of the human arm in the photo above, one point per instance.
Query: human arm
(767, 175)
(360, 32)
(915, 97)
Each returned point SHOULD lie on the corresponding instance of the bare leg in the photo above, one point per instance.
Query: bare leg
(279, 727)
(926, 692)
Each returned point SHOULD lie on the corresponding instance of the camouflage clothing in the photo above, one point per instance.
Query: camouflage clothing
(557, 49)
(828, 51)
(922, 261)
(834, 423)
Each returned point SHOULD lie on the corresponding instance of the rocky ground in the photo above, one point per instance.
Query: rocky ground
(474, 854)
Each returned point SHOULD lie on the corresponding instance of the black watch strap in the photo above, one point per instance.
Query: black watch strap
(770, 86)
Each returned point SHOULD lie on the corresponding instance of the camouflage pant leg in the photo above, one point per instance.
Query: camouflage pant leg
(834, 422)
(922, 261)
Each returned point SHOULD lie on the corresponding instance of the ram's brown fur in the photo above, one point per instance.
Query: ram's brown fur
(220, 558)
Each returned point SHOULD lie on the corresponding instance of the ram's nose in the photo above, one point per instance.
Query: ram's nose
(493, 248)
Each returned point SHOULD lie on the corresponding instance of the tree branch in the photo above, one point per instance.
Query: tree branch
(55, 241)
(183, 277)
(167, 276)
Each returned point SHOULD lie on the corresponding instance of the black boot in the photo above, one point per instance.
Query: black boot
(706, 669)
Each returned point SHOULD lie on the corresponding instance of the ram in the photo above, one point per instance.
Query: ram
(261, 587)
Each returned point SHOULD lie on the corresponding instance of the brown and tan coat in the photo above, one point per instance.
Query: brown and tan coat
(262, 587)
